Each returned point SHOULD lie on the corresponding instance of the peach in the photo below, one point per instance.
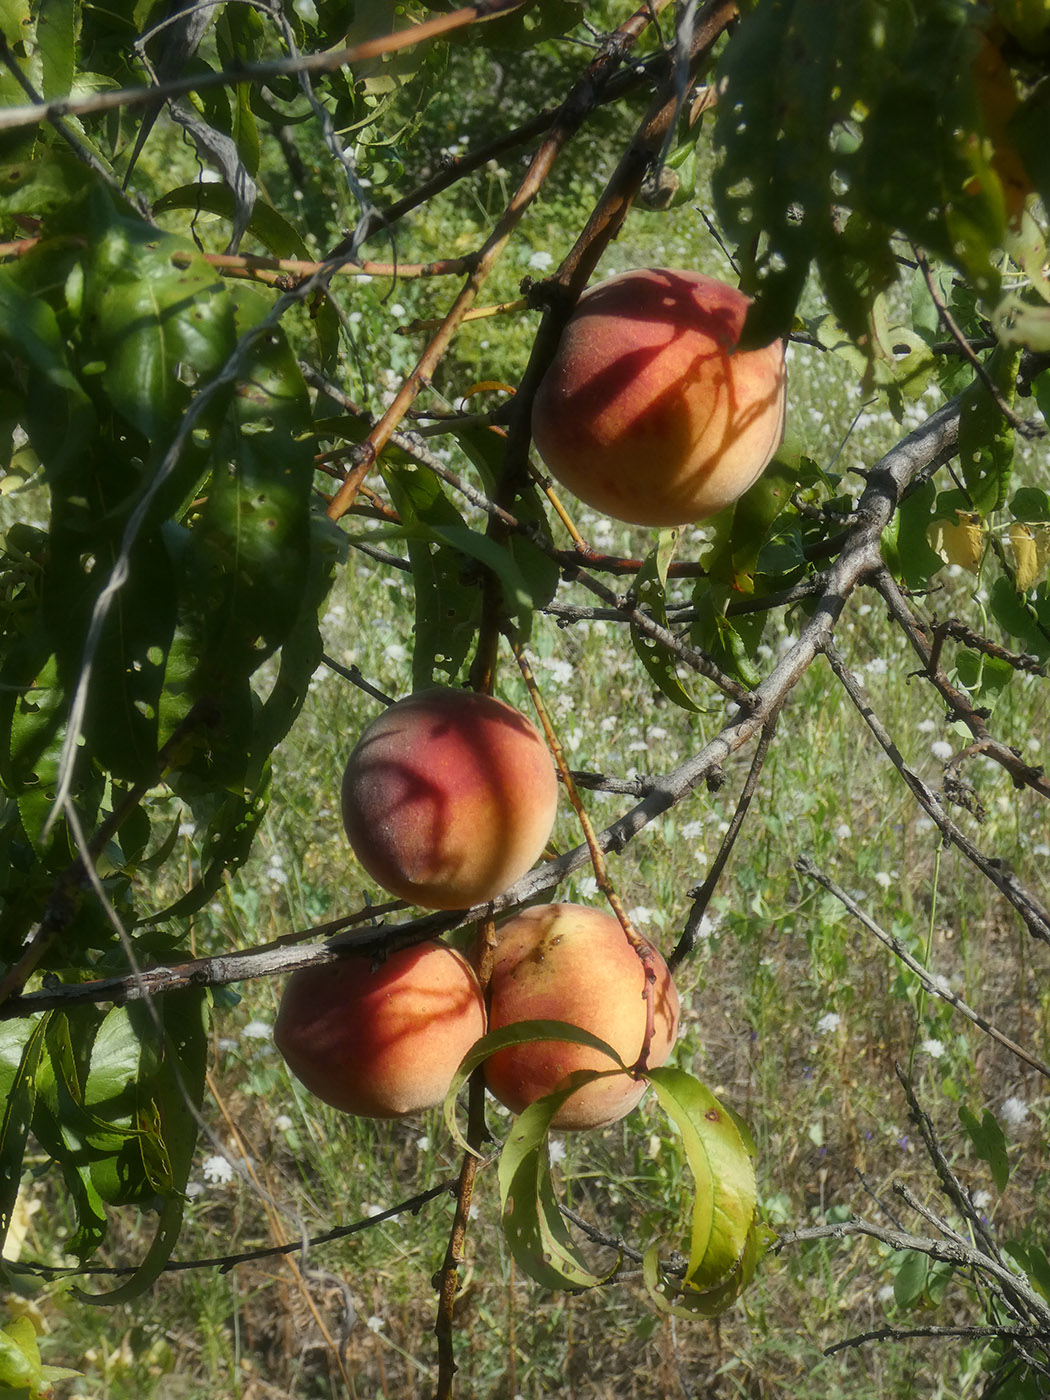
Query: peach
(648, 412)
(381, 1040)
(566, 962)
(449, 797)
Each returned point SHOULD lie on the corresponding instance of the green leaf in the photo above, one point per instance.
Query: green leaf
(1030, 504)
(911, 1278)
(650, 585)
(536, 1232)
(56, 37)
(723, 1177)
(178, 1090)
(267, 224)
(516, 595)
(989, 1142)
(150, 314)
(59, 417)
(1033, 1260)
(714, 633)
(19, 1060)
(747, 528)
(447, 602)
(905, 546)
(986, 439)
(1030, 621)
(670, 1296)
(985, 677)
(520, 1033)
(41, 187)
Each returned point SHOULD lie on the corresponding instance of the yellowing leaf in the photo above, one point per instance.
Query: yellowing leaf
(959, 543)
(1030, 545)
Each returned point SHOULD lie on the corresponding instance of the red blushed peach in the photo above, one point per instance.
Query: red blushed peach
(648, 411)
(381, 1041)
(565, 962)
(449, 797)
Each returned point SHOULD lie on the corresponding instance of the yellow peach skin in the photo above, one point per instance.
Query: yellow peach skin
(648, 411)
(449, 797)
(381, 1041)
(566, 962)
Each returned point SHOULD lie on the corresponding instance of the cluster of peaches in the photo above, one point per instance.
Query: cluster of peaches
(650, 414)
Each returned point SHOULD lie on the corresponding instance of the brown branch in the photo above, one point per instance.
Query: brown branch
(573, 111)
(326, 62)
(936, 986)
(1036, 918)
(900, 1334)
(702, 894)
(448, 1277)
(958, 701)
(947, 1251)
(1019, 424)
(225, 1262)
(641, 946)
(267, 269)
(1020, 661)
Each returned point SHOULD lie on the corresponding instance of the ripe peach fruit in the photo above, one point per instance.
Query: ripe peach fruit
(648, 412)
(381, 1040)
(449, 797)
(565, 962)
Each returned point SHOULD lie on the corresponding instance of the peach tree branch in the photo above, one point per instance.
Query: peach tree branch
(960, 706)
(932, 441)
(574, 110)
(1035, 916)
(15, 118)
(936, 986)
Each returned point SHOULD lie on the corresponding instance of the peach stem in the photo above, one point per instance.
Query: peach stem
(601, 871)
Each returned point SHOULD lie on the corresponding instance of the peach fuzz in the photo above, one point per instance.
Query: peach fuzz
(566, 962)
(648, 412)
(449, 797)
(381, 1040)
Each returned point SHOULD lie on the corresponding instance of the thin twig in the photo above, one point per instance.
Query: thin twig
(702, 895)
(1019, 424)
(328, 61)
(1035, 916)
(936, 986)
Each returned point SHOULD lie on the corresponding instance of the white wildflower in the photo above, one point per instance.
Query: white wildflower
(940, 748)
(933, 1048)
(883, 879)
(842, 832)
(257, 1030)
(1015, 1112)
(217, 1170)
(830, 1021)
